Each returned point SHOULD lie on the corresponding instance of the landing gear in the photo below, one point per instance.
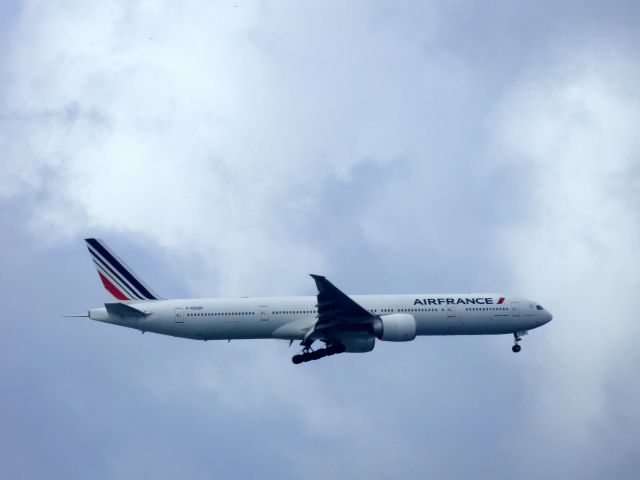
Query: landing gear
(516, 348)
(308, 354)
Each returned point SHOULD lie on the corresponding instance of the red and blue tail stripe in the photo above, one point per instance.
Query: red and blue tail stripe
(119, 280)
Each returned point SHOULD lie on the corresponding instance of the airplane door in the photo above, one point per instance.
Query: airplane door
(451, 310)
(179, 315)
(515, 309)
(264, 313)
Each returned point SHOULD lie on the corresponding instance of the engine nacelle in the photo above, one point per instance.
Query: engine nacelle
(397, 327)
(358, 343)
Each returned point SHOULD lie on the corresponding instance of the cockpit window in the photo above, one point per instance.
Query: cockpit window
(538, 307)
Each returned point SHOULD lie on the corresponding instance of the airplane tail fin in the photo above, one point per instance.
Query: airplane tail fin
(116, 276)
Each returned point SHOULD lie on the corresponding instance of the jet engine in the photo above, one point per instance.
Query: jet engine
(358, 343)
(397, 327)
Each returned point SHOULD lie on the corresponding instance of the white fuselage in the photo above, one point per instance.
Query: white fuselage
(290, 317)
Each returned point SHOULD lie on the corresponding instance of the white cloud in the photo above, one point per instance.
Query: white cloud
(205, 128)
(571, 127)
(217, 132)
(213, 129)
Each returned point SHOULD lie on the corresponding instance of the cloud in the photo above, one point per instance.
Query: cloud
(202, 128)
(251, 145)
(217, 135)
(569, 126)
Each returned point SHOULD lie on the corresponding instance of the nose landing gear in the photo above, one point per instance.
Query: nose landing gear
(516, 338)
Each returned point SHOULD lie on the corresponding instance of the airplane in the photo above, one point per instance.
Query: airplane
(343, 323)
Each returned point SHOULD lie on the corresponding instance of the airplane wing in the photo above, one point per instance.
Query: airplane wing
(336, 309)
(342, 324)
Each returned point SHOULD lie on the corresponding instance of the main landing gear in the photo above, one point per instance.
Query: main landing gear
(516, 348)
(308, 354)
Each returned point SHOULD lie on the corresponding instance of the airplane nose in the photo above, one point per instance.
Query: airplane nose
(543, 316)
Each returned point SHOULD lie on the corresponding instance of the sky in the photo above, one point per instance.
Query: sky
(232, 148)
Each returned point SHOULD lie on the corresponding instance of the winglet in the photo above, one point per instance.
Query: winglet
(317, 279)
(323, 285)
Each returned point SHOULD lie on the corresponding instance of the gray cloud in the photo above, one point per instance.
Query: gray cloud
(576, 247)
(393, 146)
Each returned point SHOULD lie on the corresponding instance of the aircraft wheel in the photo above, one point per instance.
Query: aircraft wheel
(516, 348)
(296, 359)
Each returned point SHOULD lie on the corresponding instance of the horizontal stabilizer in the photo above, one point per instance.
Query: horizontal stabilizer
(124, 310)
